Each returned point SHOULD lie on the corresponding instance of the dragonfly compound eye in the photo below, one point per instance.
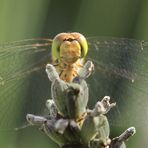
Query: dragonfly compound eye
(83, 43)
(71, 38)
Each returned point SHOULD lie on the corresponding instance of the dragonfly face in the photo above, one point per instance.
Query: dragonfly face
(69, 47)
(70, 52)
(120, 71)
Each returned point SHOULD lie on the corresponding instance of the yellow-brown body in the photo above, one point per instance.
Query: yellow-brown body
(68, 52)
(68, 72)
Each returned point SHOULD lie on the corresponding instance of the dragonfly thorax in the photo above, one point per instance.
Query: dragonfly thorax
(68, 72)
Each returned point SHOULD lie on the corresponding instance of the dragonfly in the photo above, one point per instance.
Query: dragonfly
(121, 72)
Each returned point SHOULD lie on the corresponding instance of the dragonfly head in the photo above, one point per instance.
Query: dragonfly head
(69, 47)
(70, 51)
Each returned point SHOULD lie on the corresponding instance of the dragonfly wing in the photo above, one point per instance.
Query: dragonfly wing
(22, 69)
(121, 71)
(18, 57)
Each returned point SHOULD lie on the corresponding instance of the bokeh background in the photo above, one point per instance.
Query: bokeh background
(22, 19)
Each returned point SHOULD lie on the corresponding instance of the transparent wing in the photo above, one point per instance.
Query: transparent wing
(121, 71)
(22, 67)
(25, 51)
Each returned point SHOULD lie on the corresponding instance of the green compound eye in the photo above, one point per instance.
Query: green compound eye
(62, 37)
(55, 49)
(83, 43)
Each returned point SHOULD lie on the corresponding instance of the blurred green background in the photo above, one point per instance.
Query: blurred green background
(20, 19)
